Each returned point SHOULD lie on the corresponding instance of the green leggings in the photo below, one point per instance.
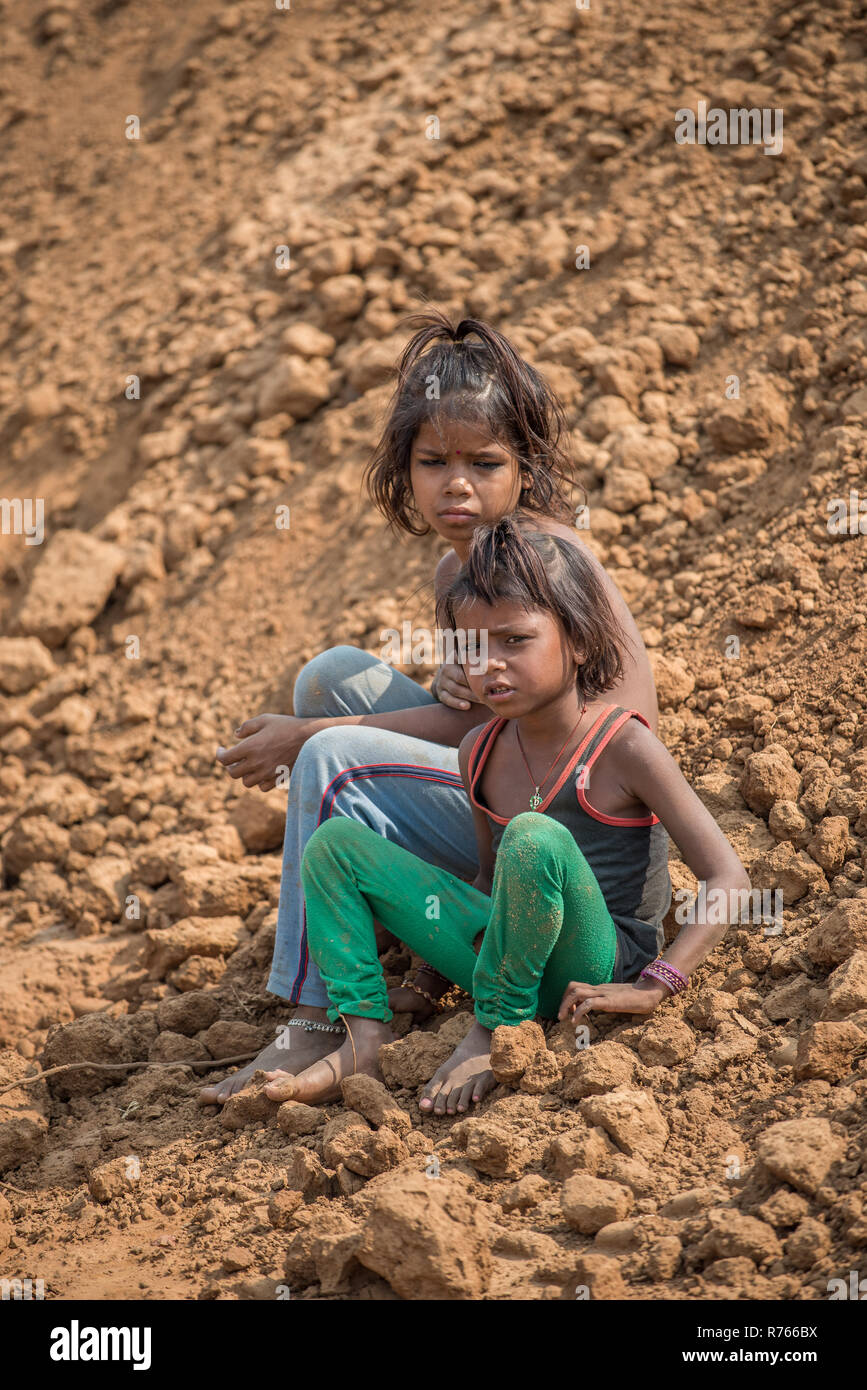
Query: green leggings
(545, 924)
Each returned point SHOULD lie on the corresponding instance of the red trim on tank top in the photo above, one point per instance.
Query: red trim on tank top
(481, 738)
(618, 724)
(476, 771)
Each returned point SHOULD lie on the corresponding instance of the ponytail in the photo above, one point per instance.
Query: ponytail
(471, 373)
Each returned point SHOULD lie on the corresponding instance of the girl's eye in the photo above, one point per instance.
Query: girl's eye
(517, 638)
(481, 463)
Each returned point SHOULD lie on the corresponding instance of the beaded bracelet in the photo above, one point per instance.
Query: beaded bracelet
(667, 974)
(425, 994)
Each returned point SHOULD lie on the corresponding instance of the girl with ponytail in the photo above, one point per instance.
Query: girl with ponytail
(473, 434)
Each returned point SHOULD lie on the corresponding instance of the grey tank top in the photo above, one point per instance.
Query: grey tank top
(628, 857)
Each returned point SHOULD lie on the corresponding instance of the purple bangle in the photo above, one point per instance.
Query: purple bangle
(669, 975)
(676, 984)
(650, 973)
(671, 969)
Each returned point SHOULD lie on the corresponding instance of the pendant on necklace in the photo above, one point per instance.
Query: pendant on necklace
(535, 800)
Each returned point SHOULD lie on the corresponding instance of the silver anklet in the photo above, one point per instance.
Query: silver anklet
(311, 1027)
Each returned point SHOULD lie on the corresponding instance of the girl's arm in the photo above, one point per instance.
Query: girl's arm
(272, 741)
(484, 880)
(648, 773)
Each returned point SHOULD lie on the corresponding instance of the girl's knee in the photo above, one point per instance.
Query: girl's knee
(320, 680)
(329, 850)
(531, 834)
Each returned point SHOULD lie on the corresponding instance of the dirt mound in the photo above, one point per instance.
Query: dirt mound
(219, 218)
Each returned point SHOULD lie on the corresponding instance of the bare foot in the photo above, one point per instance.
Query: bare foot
(320, 1083)
(294, 1050)
(404, 1000)
(464, 1077)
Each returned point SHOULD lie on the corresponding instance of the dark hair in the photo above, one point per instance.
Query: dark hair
(486, 383)
(514, 561)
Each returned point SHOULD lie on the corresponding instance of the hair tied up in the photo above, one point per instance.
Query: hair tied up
(487, 386)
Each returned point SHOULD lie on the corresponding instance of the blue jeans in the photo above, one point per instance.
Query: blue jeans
(404, 788)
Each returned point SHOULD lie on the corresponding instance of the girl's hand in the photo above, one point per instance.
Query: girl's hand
(450, 687)
(579, 999)
(267, 743)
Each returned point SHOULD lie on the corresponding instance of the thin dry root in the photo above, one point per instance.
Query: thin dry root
(213, 1064)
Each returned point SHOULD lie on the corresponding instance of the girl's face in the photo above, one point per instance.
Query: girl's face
(530, 661)
(462, 479)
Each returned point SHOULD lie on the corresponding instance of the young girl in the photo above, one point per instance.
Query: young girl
(472, 435)
(572, 799)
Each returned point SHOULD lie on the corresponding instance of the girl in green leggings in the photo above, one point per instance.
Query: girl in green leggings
(573, 800)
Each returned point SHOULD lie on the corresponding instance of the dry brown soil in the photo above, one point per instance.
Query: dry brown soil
(167, 385)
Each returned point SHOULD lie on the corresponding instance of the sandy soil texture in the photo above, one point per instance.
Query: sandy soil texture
(170, 379)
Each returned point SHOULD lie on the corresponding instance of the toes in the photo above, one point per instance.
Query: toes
(215, 1095)
(483, 1084)
(429, 1094)
(464, 1096)
(281, 1087)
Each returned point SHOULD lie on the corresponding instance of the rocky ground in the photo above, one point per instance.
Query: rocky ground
(172, 381)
